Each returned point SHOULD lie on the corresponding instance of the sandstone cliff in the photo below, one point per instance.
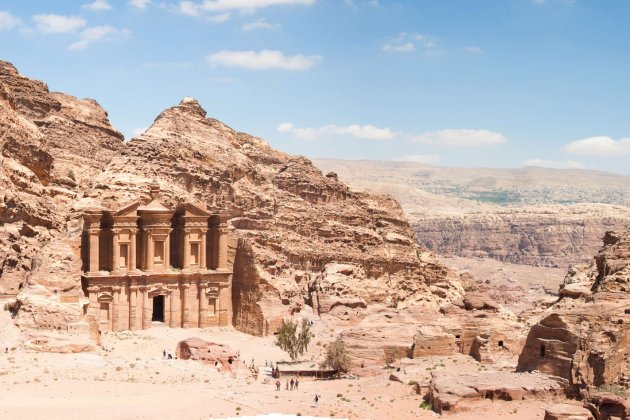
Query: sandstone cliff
(52, 145)
(535, 216)
(584, 338)
(298, 236)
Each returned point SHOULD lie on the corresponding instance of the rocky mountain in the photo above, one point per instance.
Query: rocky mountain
(535, 216)
(584, 338)
(46, 139)
(298, 236)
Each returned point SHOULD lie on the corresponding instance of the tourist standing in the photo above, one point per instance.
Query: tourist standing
(278, 385)
(292, 382)
(296, 384)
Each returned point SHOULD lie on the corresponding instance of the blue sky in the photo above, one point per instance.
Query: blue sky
(494, 83)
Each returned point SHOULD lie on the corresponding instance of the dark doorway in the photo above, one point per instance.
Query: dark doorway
(158, 309)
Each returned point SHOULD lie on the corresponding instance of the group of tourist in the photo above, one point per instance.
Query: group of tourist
(290, 385)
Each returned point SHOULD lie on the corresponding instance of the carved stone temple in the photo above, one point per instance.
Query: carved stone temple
(146, 263)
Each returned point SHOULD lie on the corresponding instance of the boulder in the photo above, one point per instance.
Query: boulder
(567, 412)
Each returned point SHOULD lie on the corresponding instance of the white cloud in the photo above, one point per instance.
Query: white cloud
(52, 24)
(263, 60)
(474, 50)
(8, 21)
(368, 132)
(407, 42)
(259, 24)
(139, 4)
(460, 137)
(427, 159)
(600, 146)
(220, 18)
(554, 164)
(248, 6)
(406, 47)
(189, 8)
(97, 5)
(97, 33)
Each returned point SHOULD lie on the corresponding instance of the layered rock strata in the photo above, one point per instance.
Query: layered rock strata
(298, 237)
(584, 338)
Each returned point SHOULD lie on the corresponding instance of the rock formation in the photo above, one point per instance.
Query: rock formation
(535, 216)
(584, 338)
(298, 237)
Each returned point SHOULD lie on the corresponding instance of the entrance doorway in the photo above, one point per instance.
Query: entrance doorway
(158, 309)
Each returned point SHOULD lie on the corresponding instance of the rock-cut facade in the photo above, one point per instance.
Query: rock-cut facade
(146, 263)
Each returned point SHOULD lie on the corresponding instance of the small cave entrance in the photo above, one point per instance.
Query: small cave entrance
(158, 309)
(501, 343)
(542, 351)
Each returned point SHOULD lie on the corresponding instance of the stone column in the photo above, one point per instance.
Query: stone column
(150, 252)
(133, 317)
(115, 309)
(175, 308)
(202, 251)
(94, 249)
(167, 310)
(203, 305)
(222, 303)
(132, 251)
(185, 304)
(167, 253)
(222, 251)
(115, 251)
(146, 309)
(186, 264)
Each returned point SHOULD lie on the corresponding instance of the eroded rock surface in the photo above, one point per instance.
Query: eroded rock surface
(584, 338)
(298, 237)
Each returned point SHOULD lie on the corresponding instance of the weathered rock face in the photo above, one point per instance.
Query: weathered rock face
(585, 337)
(455, 392)
(51, 147)
(485, 331)
(551, 235)
(219, 355)
(297, 237)
(567, 412)
(290, 222)
(535, 216)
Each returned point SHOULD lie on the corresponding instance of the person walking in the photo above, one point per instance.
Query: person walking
(286, 386)
(296, 384)
(292, 382)
(316, 399)
(278, 385)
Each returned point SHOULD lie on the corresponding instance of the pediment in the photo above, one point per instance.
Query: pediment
(128, 210)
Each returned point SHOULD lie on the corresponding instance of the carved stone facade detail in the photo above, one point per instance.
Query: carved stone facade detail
(147, 263)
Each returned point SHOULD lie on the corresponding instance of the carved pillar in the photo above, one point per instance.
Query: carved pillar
(203, 305)
(186, 249)
(133, 317)
(223, 303)
(115, 302)
(175, 311)
(167, 310)
(222, 251)
(94, 250)
(115, 251)
(202, 251)
(167, 253)
(185, 304)
(146, 309)
(150, 251)
(132, 251)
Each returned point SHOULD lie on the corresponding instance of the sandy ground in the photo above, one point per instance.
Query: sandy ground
(131, 380)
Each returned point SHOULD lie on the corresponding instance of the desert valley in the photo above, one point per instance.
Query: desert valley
(151, 277)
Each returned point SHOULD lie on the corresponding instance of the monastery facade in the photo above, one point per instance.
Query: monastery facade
(146, 263)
